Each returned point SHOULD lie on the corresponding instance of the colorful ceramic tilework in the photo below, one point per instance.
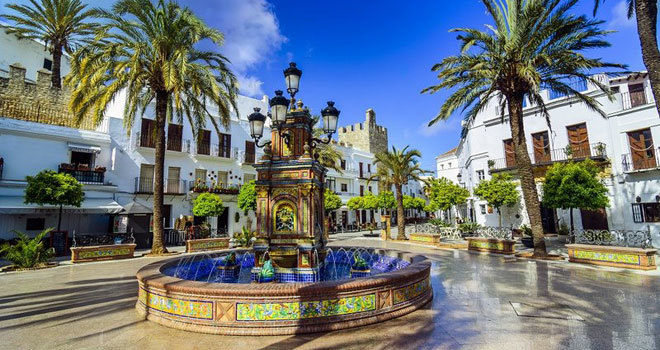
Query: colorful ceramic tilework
(421, 238)
(210, 244)
(610, 257)
(487, 245)
(306, 309)
(178, 307)
(410, 291)
(102, 253)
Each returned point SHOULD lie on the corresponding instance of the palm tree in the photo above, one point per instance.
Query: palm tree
(150, 51)
(532, 45)
(327, 154)
(60, 24)
(396, 168)
(646, 13)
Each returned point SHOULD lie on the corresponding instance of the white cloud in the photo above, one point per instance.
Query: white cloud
(252, 35)
(451, 125)
(620, 16)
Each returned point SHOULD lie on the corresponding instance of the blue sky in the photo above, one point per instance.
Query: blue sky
(368, 54)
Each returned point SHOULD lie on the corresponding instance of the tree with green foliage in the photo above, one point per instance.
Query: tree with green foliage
(413, 203)
(152, 51)
(530, 46)
(28, 253)
(396, 168)
(61, 25)
(354, 203)
(50, 187)
(369, 201)
(247, 200)
(208, 205)
(331, 201)
(386, 200)
(499, 191)
(574, 185)
(445, 195)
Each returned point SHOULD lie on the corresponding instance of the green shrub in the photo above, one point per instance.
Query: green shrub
(439, 222)
(28, 253)
(526, 230)
(468, 227)
(244, 238)
(563, 229)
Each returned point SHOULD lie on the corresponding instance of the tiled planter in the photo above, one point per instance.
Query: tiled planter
(102, 252)
(492, 245)
(629, 258)
(282, 308)
(205, 244)
(425, 238)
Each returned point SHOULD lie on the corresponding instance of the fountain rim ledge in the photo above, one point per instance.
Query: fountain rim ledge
(152, 275)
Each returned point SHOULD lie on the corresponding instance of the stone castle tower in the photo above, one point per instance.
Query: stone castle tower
(367, 136)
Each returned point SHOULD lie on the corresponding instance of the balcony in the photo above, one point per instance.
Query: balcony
(204, 149)
(200, 186)
(145, 140)
(145, 185)
(83, 174)
(642, 161)
(633, 99)
(174, 144)
(595, 151)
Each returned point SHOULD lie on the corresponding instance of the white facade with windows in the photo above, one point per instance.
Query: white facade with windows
(621, 142)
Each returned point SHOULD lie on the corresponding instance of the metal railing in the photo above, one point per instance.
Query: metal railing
(170, 186)
(596, 150)
(495, 232)
(203, 148)
(647, 160)
(213, 187)
(175, 144)
(618, 238)
(89, 177)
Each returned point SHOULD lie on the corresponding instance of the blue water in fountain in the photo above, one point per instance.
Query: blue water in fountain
(336, 266)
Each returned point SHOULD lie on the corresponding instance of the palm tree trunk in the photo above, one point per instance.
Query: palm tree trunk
(56, 79)
(400, 220)
(157, 246)
(525, 172)
(646, 12)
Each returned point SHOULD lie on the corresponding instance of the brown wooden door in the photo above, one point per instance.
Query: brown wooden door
(594, 219)
(204, 142)
(641, 149)
(147, 133)
(174, 134)
(509, 154)
(578, 138)
(249, 152)
(225, 145)
(541, 143)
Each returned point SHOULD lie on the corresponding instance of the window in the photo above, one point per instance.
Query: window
(223, 179)
(481, 175)
(442, 166)
(48, 64)
(482, 208)
(637, 96)
(578, 138)
(343, 164)
(224, 145)
(200, 175)
(541, 145)
(344, 187)
(204, 142)
(145, 183)
(249, 177)
(84, 159)
(509, 155)
(369, 168)
(449, 165)
(35, 224)
(361, 172)
(172, 183)
(361, 190)
(642, 152)
(249, 152)
(147, 133)
(174, 134)
(646, 212)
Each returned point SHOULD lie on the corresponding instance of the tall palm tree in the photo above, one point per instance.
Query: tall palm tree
(396, 168)
(533, 44)
(150, 51)
(327, 154)
(646, 14)
(61, 24)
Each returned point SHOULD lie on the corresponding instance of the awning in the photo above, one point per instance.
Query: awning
(79, 147)
(15, 205)
(134, 207)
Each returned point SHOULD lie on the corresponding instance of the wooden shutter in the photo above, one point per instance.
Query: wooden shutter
(225, 145)
(578, 138)
(249, 152)
(637, 96)
(204, 142)
(174, 134)
(147, 136)
(541, 144)
(641, 149)
(509, 153)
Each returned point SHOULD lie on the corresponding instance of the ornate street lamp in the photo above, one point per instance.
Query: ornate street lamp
(257, 120)
(278, 105)
(292, 76)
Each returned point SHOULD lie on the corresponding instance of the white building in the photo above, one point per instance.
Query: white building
(621, 142)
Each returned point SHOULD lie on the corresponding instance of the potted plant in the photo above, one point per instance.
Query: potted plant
(491, 163)
(527, 239)
(67, 166)
(83, 167)
(600, 149)
(360, 267)
(568, 150)
(99, 169)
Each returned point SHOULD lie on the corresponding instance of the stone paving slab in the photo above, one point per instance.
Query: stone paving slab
(91, 306)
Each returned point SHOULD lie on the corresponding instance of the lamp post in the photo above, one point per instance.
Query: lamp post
(290, 184)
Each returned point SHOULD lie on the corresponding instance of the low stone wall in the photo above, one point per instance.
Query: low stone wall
(102, 252)
(629, 258)
(205, 244)
(282, 308)
(426, 238)
(492, 245)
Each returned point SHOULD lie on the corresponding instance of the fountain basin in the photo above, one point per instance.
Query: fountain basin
(282, 308)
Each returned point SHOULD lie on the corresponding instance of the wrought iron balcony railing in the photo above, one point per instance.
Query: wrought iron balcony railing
(596, 150)
(170, 186)
(89, 177)
(645, 160)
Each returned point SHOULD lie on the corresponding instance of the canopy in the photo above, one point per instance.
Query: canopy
(135, 208)
(78, 147)
(15, 205)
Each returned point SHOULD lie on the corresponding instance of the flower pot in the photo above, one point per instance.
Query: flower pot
(527, 241)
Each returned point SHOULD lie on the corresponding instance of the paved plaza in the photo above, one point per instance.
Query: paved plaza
(481, 301)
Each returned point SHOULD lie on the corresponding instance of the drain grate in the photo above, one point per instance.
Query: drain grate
(545, 309)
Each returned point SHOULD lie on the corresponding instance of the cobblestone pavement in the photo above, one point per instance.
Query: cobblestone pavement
(481, 301)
